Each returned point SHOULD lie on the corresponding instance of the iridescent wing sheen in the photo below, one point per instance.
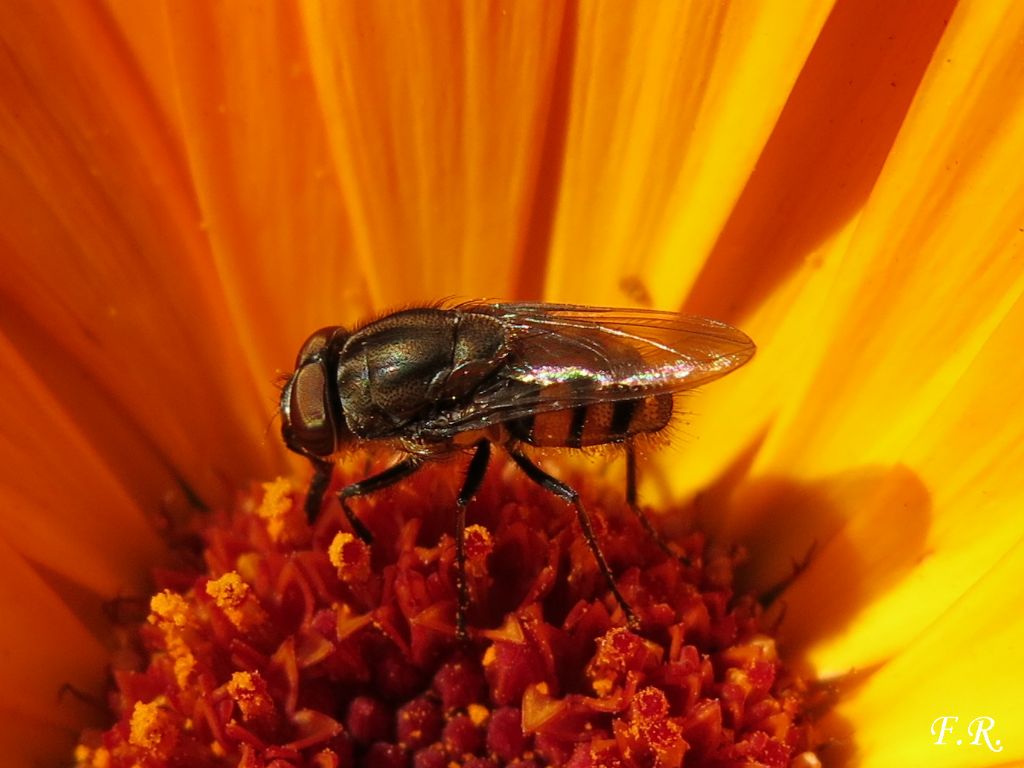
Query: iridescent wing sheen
(562, 356)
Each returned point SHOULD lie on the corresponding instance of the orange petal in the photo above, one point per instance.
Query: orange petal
(256, 150)
(444, 128)
(824, 155)
(45, 648)
(109, 289)
(61, 497)
(924, 363)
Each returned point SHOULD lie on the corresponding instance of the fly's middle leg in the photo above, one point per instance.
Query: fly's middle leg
(474, 476)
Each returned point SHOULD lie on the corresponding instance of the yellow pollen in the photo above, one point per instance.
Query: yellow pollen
(233, 597)
(490, 656)
(169, 611)
(478, 713)
(241, 683)
(86, 757)
(229, 591)
(336, 551)
(184, 661)
(603, 686)
(145, 726)
(479, 545)
(250, 692)
(478, 537)
(168, 607)
(350, 556)
(276, 508)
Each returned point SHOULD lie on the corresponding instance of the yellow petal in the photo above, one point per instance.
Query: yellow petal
(965, 666)
(788, 266)
(912, 550)
(823, 157)
(924, 362)
(670, 105)
(934, 264)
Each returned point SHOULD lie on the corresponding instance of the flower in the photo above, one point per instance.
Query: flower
(188, 193)
(309, 646)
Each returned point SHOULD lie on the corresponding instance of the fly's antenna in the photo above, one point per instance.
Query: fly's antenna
(280, 382)
(270, 423)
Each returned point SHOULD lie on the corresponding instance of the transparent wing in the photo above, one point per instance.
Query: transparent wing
(564, 355)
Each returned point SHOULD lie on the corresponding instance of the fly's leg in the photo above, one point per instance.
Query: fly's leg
(474, 476)
(770, 595)
(377, 482)
(572, 496)
(644, 520)
(322, 471)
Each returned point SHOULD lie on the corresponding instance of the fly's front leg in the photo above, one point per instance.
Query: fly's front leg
(644, 520)
(377, 482)
(571, 495)
(474, 476)
(322, 471)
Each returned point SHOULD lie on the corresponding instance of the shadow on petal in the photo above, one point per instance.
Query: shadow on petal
(821, 163)
(864, 528)
(828, 549)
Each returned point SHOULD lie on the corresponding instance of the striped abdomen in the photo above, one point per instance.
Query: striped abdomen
(596, 424)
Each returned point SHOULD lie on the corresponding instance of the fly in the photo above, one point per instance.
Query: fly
(436, 380)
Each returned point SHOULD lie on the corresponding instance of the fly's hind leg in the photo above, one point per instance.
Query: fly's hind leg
(571, 495)
(644, 520)
(374, 483)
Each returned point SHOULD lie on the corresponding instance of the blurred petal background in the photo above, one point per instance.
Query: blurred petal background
(190, 188)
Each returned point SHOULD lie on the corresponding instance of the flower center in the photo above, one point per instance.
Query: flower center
(308, 647)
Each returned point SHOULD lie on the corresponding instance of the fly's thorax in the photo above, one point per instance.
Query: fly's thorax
(411, 364)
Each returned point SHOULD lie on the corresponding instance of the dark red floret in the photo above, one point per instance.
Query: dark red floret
(419, 722)
(298, 647)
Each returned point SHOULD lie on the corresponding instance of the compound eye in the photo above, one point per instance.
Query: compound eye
(307, 416)
(314, 345)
